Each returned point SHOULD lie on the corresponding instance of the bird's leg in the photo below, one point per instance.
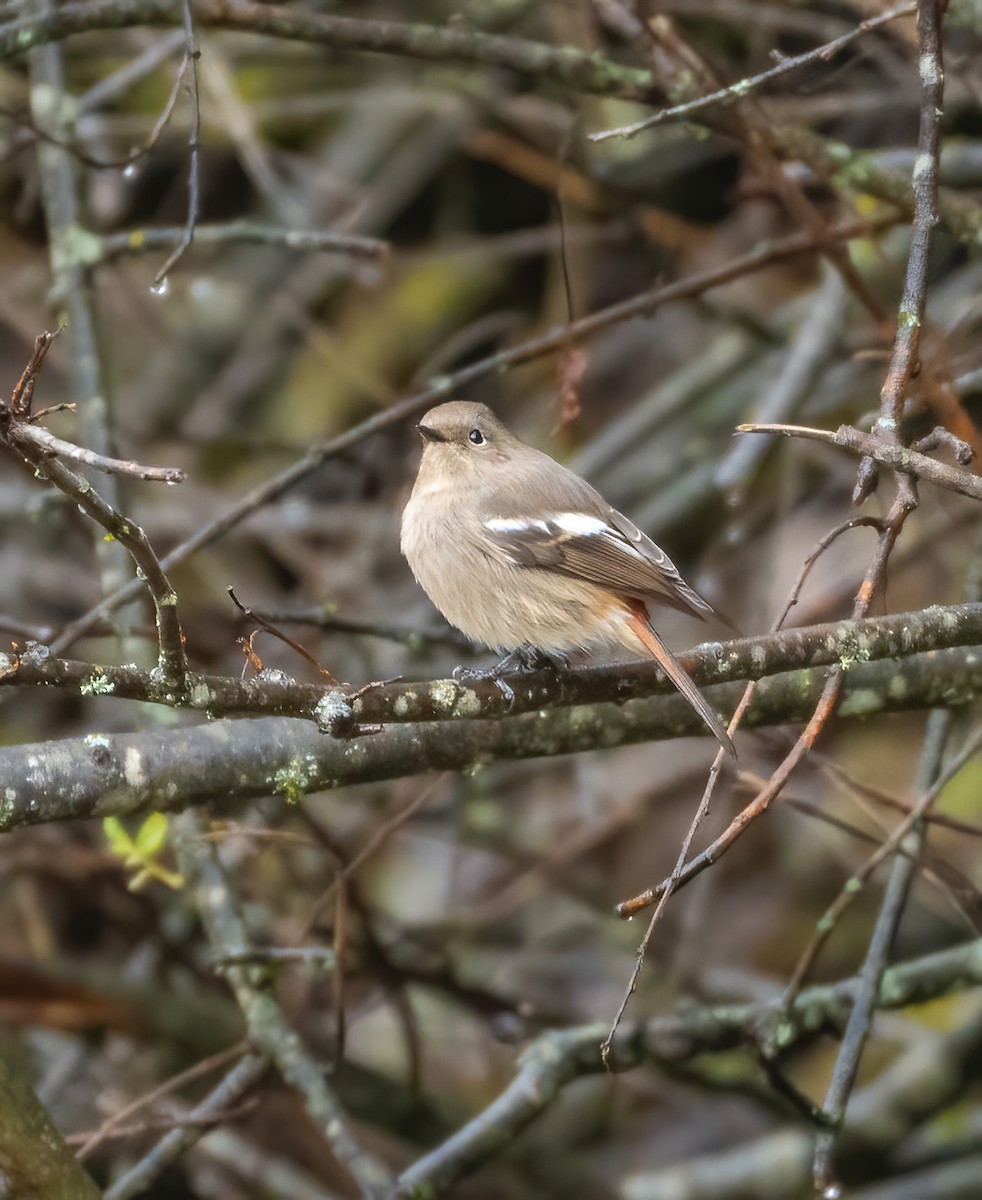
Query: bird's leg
(529, 658)
(520, 661)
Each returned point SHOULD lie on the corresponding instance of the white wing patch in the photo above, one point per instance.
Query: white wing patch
(514, 525)
(581, 524)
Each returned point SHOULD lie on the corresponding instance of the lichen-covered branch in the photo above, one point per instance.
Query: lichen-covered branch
(567, 65)
(116, 774)
(342, 711)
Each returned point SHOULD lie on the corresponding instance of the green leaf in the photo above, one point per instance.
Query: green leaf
(120, 842)
(152, 835)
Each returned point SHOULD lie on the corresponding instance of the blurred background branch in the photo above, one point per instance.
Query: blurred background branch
(370, 208)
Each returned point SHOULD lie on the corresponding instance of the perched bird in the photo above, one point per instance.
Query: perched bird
(518, 552)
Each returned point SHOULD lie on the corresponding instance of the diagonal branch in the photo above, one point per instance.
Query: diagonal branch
(268, 1028)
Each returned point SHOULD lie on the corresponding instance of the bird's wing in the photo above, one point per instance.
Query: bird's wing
(601, 546)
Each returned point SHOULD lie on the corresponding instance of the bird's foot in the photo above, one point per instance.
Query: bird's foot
(529, 658)
(521, 661)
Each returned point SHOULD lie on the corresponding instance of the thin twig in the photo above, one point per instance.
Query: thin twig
(736, 91)
(48, 445)
(249, 615)
(826, 706)
(194, 150)
(891, 845)
(857, 1030)
(910, 319)
(888, 453)
(172, 662)
(628, 909)
(109, 1127)
(751, 124)
(964, 897)
(873, 795)
(327, 618)
(22, 397)
(137, 1180)
(141, 241)
(72, 146)
(37, 448)
(371, 847)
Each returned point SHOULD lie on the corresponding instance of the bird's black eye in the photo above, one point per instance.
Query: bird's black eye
(477, 437)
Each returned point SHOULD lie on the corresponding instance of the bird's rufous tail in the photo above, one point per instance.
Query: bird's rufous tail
(639, 625)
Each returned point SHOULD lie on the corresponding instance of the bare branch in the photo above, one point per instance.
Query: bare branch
(910, 317)
(743, 87)
(887, 453)
(268, 1028)
(554, 1060)
(140, 241)
(49, 446)
(343, 711)
(190, 66)
(116, 774)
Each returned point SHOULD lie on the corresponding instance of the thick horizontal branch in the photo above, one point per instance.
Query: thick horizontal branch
(115, 774)
(340, 711)
(554, 1060)
(886, 453)
(846, 642)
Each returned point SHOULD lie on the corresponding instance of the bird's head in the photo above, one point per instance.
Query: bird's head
(460, 435)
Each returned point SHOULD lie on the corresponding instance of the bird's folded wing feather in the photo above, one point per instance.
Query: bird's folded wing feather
(603, 547)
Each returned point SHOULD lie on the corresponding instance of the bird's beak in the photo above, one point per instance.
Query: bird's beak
(429, 434)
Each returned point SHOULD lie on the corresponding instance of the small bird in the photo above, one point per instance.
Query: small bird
(519, 553)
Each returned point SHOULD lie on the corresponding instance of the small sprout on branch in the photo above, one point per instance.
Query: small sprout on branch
(142, 850)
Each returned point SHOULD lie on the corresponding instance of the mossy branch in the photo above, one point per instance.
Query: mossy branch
(115, 774)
